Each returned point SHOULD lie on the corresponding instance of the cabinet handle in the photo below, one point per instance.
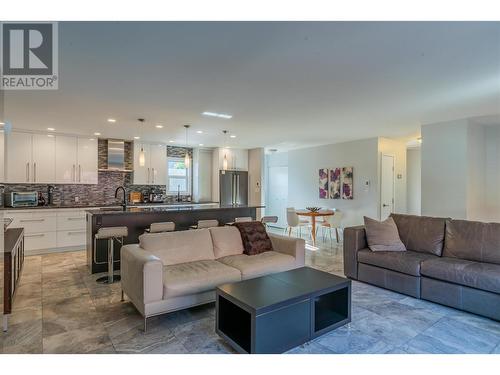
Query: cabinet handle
(148, 175)
(76, 232)
(153, 175)
(31, 220)
(34, 235)
(27, 172)
(73, 175)
(34, 172)
(79, 173)
(75, 218)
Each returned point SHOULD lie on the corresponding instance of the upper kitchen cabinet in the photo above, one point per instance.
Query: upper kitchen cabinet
(30, 158)
(154, 170)
(76, 160)
(237, 159)
(87, 160)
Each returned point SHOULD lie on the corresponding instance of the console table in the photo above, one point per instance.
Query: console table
(13, 266)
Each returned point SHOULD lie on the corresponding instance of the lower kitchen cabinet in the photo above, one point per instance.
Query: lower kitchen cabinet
(50, 230)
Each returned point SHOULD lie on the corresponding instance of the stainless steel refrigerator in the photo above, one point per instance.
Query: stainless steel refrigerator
(233, 188)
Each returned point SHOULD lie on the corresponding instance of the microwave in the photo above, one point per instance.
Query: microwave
(21, 199)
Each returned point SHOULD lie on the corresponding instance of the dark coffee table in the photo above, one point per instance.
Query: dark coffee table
(274, 313)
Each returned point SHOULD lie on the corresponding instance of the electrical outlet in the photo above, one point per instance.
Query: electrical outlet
(77, 199)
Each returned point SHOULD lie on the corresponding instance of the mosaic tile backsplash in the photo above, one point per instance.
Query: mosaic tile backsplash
(104, 192)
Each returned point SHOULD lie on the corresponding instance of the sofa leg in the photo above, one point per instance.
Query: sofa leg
(123, 296)
(145, 324)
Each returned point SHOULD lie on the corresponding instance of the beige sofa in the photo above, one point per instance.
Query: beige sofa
(175, 270)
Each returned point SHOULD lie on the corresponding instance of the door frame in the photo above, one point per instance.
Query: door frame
(393, 182)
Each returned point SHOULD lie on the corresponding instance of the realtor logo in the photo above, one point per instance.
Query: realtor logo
(29, 56)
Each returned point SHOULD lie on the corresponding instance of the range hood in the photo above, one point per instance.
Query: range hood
(116, 156)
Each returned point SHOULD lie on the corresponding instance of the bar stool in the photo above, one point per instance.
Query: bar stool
(168, 226)
(269, 220)
(111, 234)
(242, 219)
(205, 224)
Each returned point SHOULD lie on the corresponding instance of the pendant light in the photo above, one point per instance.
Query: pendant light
(224, 162)
(187, 160)
(142, 157)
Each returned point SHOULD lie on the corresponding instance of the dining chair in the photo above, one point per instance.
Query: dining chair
(295, 222)
(266, 220)
(332, 222)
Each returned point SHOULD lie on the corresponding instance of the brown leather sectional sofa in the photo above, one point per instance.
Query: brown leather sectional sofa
(451, 262)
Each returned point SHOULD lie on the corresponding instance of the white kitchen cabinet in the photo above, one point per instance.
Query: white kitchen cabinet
(18, 155)
(87, 160)
(237, 159)
(158, 164)
(66, 159)
(43, 159)
(76, 160)
(142, 174)
(30, 158)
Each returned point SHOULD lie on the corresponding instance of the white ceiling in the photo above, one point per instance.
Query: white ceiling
(287, 84)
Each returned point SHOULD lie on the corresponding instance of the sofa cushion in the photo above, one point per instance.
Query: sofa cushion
(252, 266)
(383, 235)
(407, 262)
(226, 241)
(196, 277)
(472, 240)
(421, 233)
(179, 247)
(254, 237)
(484, 276)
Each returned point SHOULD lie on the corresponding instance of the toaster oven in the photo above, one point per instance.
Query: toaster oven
(21, 199)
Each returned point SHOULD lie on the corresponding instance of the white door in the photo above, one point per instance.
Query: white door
(18, 156)
(158, 164)
(66, 159)
(277, 194)
(142, 174)
(87, 161)
(387, 186)
(2, 155)
(44, 159)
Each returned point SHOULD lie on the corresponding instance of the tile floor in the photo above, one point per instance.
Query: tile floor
(60, 309)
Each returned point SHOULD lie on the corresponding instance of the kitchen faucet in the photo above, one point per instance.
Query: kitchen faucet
(178, 193)
(124, 203)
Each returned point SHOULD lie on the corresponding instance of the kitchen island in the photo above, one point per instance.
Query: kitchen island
(138, 219)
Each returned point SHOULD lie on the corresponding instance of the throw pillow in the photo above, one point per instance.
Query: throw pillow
(383, 235)
(254, 237)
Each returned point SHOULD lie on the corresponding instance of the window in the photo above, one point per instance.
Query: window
(178, 176)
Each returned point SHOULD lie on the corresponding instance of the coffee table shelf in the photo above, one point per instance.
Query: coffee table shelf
(275, 313)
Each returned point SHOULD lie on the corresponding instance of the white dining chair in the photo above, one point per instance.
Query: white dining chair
(295, 222)
(332, 222)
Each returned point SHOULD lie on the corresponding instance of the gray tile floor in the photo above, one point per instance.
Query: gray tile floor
(60, 309)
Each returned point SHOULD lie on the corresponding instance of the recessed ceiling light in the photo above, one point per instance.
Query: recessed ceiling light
(199, 131)
(215, 114)
(201, 144)
(111, 120)
(51, 129)
(159, 126)
(232, 136)
(171, 141)
(97, 133)
(137, 137)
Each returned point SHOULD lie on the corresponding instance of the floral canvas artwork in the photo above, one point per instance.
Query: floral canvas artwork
(323, 183)
(347, 177)
(335, 183)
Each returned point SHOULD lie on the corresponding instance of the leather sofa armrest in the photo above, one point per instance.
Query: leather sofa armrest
(354, 240)
(295, 247)
(141, 276)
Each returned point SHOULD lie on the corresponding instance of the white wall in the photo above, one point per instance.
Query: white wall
(397, 149)
(492, 174)
(202, 175)
(413, 181)
(476, 165)
(444, 169)
(303, 165)
(276, 186)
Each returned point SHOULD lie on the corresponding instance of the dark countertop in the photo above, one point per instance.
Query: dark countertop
(184, 207)
(114, 205)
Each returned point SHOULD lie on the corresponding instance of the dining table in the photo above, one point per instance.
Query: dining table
(313, 215)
